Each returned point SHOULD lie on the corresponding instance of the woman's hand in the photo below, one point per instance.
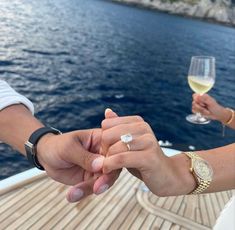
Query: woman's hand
(207, 106)
(145, 160)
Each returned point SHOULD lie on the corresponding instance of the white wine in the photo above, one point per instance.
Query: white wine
(200, 85)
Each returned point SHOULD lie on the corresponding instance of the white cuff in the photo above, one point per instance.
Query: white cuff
(9, 96)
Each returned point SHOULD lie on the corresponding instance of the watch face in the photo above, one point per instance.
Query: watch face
(203, 169)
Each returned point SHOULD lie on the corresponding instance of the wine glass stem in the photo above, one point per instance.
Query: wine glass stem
(198, 115)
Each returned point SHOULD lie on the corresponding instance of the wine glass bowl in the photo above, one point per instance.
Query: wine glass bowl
(201, 78)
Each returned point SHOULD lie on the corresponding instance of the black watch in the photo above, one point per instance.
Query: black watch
(31, 145)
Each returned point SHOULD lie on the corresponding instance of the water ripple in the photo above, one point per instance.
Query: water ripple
(45, 52)
(74, 58)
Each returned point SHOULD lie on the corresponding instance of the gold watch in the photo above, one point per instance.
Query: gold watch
(201, 170)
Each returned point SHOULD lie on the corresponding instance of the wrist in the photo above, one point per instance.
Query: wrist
(33, 145)
(42, 147)
(225, 115)
(183, 180)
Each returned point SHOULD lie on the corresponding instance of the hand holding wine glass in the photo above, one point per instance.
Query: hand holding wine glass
(201, 78)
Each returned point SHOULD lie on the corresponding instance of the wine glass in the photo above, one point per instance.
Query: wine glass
(201, 78)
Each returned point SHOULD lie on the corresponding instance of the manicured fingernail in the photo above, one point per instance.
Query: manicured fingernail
(76, 195)
(97, 164)
(108, 110)
(102, 189)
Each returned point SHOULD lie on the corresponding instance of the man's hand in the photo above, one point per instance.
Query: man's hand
(73, 159)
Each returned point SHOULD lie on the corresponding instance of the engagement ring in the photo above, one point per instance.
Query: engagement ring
(126, 139)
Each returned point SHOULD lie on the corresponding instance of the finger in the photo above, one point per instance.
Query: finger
(85, 159)
(90, 139)
(139, 143)
(87, 175)
(105, 181)
(109, 114)
(111, 122)
(198, 109)
(206, 100)
(195, 96)
(113, 135)
(68, 176)
(80, 191)
(123, 160)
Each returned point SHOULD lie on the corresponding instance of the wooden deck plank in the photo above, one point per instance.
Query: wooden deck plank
(128, 209)
(48, 207)
(204, 211)
(157, 223)
(215, 205)
(50, 219)
(39, 204)
(169, 203)
(177, 204)
(73, 216)
(9, 210)
(210, 210)
(220, 200)
(166, 225)
(114, 214)
(225, 197)
(105, 206)
(42, 205)
(139, 220)
(148, 222)
(5, 198)
(191, 205)
(20, 208)
(167, 215)
(175, 227)
(17, 196)
(131, 217)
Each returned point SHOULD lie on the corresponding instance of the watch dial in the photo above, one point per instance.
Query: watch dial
(203, 169)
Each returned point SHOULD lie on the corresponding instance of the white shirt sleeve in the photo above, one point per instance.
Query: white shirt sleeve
(9, 96)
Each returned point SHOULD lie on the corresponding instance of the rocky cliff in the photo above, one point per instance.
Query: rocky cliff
(222, 11)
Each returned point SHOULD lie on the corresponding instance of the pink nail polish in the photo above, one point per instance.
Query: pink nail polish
(97, 164)
(102, 189)
(76, 195)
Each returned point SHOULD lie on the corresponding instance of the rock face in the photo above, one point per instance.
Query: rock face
(222, 11)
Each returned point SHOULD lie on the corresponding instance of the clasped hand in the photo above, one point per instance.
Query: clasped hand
(91, 160)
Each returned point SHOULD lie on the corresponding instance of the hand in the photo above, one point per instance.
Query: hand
(146, 159)
(72, 158)
(207, 106)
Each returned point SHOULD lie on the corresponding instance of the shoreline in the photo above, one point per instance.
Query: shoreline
(152, 8)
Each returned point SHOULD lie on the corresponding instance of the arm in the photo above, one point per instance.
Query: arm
(208, 106)
(69, 158)
(222, 161)
(165, 176)
(66, 158)
(17, 124)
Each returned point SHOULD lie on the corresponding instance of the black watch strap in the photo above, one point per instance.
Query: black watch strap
(31, 144)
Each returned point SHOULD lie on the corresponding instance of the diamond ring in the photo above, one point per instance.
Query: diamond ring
(126, 139)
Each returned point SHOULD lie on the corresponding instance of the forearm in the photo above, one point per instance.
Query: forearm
(222, 161)
(16, 125)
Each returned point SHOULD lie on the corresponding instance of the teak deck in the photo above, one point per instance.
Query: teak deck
(42, 205)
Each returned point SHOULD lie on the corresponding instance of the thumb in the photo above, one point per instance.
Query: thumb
(87, 160)
(109, 114)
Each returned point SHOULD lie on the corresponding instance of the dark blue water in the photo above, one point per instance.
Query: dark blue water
(74, 58)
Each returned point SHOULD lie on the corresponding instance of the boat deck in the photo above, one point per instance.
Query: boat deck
(42, 205)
